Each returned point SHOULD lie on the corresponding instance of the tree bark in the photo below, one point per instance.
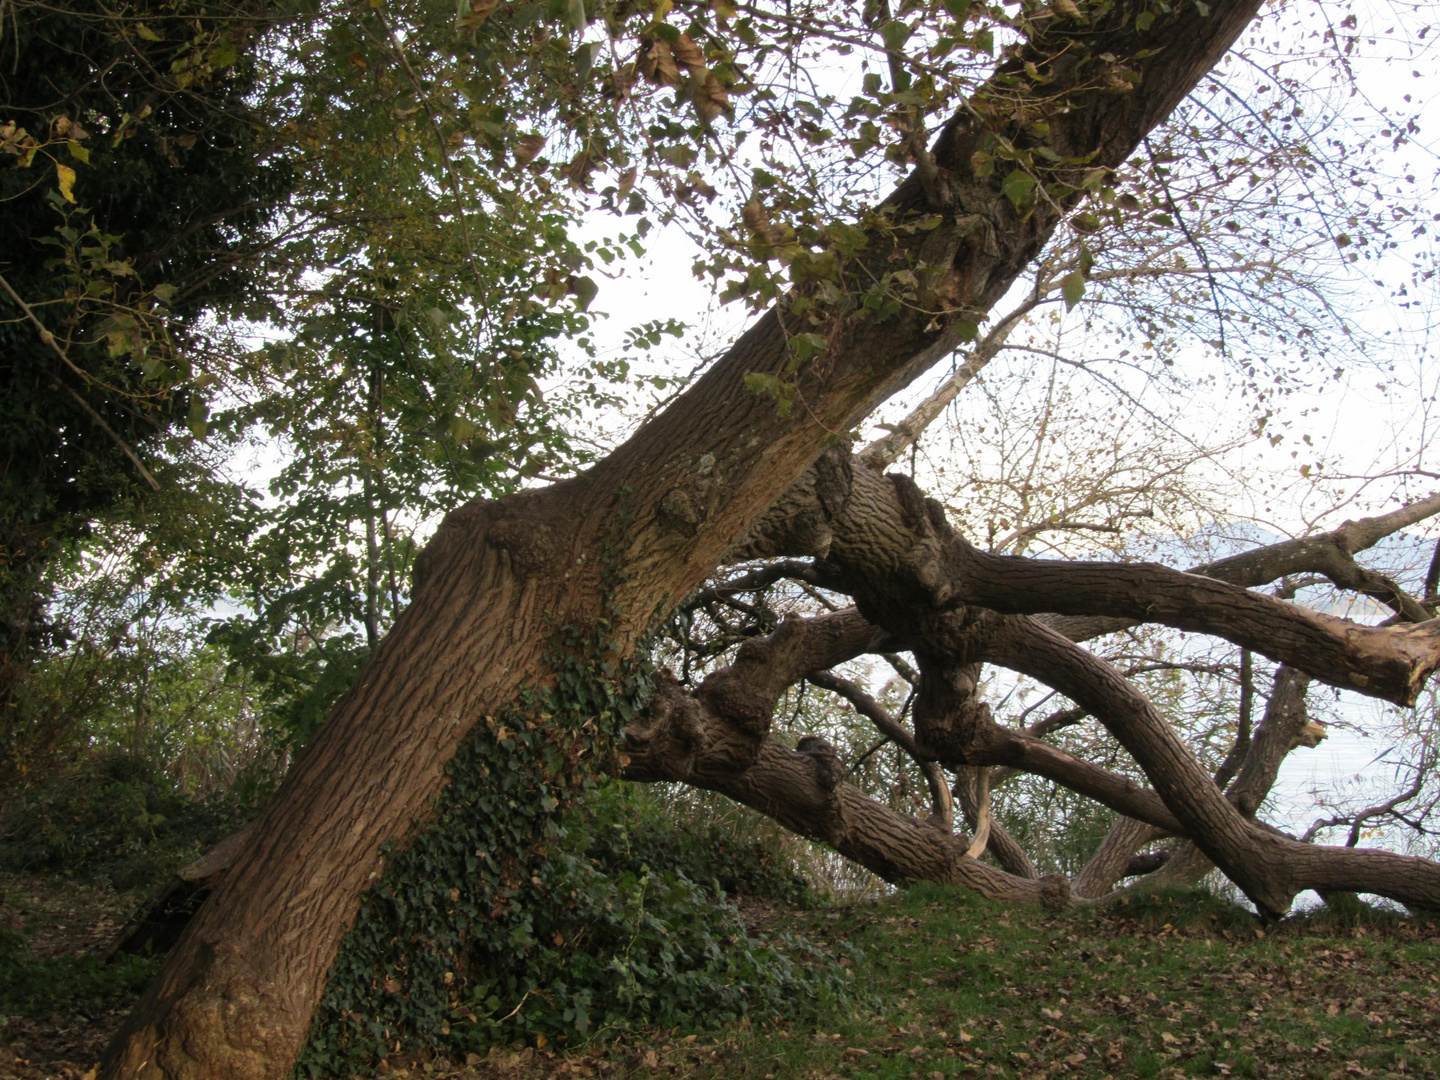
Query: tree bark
(697, 740)
(234, 998)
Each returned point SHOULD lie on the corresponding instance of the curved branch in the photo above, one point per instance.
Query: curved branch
(1385, 662)
(1329, 554)
(1270, 867)
(941, 805)
(681, 738)
(893, 550)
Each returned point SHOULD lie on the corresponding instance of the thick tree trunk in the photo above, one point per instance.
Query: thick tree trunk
(235, 997)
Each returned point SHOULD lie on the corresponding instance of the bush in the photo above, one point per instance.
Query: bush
(113, 818)
(625, 830)
(69, 985)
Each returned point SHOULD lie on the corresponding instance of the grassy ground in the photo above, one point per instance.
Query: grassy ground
(947, 986)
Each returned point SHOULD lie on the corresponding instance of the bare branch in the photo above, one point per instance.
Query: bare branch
(941, 805)
(886, 450)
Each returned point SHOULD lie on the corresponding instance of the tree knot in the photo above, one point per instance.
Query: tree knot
(824, 759)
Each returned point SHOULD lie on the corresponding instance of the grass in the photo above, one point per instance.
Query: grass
(949, 985)
(1168, 986)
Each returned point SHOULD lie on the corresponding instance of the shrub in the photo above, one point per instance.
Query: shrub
(112, 818)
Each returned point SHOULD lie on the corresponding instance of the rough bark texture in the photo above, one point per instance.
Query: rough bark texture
(685, 738)
(234, 998)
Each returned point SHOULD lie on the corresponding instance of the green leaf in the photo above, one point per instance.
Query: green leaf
(462, 430)
(895, 33)
(1017, 187)
(223, 56)
(1143, 21)
(585, 58)
(584, 290)
(146, 33)
(1072, 289)
(197, 421)
(805, 346)
(575, 15)
(78, 152)
(958, 9)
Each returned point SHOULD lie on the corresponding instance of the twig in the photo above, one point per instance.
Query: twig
(515, 1010)
(1194, 244)
(982, 819)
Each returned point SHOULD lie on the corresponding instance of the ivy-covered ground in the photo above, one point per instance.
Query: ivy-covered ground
(946, 985)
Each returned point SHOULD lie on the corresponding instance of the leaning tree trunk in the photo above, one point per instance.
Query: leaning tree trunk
(235, 997)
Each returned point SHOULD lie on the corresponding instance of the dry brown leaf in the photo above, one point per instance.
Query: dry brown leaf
(711, 99)
(527, 147)
(480, 10)
(696, 184)
(618, 85)
(688, 54)
(579, 169)
(657, 63)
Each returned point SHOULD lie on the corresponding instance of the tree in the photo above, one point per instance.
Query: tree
(137, 188)
(530, 603)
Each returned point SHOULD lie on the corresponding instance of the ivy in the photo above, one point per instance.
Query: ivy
(535, 905)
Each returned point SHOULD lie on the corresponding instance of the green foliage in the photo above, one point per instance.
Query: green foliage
(528, 908)
(132, 673)
(1058, 828)
(402, 367)
(114, 818)
(131, 199)
(629, 831)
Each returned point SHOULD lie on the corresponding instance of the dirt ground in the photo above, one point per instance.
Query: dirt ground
(60, 919)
